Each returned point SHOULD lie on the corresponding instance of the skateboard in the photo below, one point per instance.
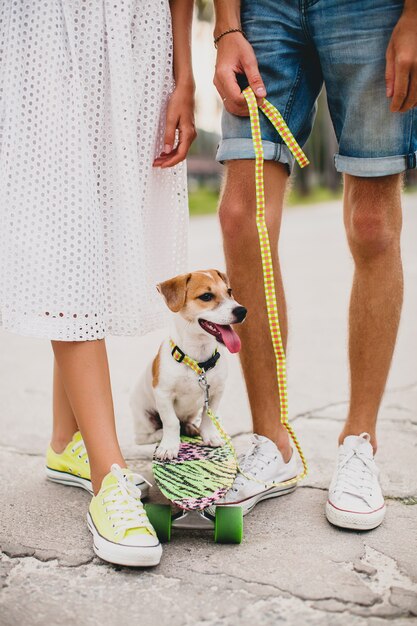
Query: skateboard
(194, 481)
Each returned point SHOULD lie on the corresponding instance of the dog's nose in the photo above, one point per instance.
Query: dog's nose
(240, 313)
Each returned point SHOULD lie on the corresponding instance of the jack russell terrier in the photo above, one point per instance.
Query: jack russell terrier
(168, 396)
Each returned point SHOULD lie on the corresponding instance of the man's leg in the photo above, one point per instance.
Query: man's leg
(269, 458)
(243, 260)
(372, 215)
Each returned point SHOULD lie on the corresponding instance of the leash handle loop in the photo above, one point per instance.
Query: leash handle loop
(281, 127)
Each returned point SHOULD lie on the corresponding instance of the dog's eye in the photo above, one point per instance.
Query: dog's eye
(206, 297)
(229, 291)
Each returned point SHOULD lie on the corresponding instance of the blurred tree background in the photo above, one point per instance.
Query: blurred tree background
(316, 183)
(205, 10)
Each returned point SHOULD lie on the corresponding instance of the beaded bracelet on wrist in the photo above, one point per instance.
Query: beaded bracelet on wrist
(228, 32)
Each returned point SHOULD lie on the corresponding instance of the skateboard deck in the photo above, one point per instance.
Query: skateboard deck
(198, 477)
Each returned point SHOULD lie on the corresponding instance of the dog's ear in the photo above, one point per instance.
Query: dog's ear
(223, 277)
(174, 291)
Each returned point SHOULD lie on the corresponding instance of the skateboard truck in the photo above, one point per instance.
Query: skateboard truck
(227, 522)
(197, 520)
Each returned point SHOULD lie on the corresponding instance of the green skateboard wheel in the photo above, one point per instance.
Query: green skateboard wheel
(161, 519)
(228, 524)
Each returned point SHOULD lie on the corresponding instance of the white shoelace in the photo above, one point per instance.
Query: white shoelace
(356, 475)
(251, 462)
(123, 504)
(79, 449)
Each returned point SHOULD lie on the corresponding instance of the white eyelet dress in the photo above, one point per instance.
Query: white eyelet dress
(87, 225)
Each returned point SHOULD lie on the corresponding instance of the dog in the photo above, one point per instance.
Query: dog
(168, 397)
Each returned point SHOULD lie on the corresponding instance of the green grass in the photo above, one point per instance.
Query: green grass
(203, 201)
(318, 194)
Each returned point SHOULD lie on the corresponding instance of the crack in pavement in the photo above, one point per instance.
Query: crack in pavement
(5, 570)
(348, 607)
(384, 576)
(407, 500)
(311, 412)
(374, 607)
(397, 407)
(386, 420)
(29, 552)
(407, 387)
(284, 592)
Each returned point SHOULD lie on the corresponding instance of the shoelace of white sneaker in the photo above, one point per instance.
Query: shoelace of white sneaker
(123, 503)
(79, 449)
(356, 475)
(250, 462)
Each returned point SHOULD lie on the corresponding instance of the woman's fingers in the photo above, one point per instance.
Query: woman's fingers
(187, 134)
(179, 120)
(170, 128)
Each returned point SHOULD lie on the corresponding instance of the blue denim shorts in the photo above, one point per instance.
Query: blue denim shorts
(342, 43)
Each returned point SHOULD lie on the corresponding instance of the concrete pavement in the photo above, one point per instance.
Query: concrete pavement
(292, 566)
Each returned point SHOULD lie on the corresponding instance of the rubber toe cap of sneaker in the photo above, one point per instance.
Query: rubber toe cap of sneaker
(354, 504)
(140, 541)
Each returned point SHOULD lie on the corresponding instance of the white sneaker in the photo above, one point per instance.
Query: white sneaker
(264, 462)
(355, 497)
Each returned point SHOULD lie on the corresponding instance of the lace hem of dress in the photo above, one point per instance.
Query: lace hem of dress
(93, 327)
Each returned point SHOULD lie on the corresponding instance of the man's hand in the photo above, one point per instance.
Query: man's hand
(235, 56)
(179, 121)
(401, 67)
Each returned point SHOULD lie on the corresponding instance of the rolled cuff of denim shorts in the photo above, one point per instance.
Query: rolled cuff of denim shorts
(239, 148)
(378, 166)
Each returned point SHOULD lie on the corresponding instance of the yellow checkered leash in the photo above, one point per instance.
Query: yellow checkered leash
(278, 122)
(268, 274)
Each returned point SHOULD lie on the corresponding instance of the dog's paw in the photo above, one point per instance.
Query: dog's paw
(167, 451)
(211, 437)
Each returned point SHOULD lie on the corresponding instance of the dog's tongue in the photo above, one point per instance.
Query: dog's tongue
(230, 338)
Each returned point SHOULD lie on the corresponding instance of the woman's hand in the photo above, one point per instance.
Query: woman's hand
(401, 67)
(235, 56)
(179, 117)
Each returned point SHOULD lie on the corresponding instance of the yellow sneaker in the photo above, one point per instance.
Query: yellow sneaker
(118, 522)
(72, 467)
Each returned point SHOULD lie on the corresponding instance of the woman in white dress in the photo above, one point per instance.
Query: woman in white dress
(93, 213)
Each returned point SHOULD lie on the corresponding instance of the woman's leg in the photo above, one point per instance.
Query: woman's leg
(85, 375)
(64, 422)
